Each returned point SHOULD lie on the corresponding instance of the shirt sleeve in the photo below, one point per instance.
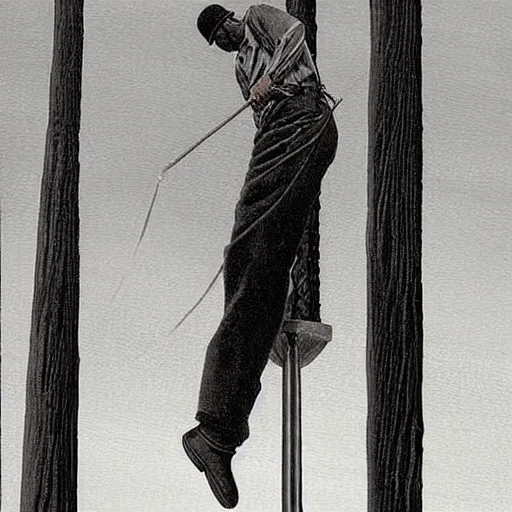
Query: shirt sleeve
(280, 34)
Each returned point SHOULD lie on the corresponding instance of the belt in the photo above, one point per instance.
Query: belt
(288, 90)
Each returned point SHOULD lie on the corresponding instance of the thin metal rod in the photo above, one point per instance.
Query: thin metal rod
(292, 440)
(207, 136)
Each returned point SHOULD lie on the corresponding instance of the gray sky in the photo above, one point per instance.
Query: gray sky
(151, 88)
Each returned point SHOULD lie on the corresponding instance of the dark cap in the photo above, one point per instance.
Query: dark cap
(210, 19)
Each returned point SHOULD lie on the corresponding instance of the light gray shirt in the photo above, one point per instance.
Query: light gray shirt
(274, 45)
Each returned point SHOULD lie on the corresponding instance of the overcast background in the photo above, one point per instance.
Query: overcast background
(151, 87)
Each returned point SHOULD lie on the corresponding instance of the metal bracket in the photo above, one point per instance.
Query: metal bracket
(311, 337)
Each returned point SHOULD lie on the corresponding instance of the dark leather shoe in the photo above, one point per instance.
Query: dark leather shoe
(215, 461)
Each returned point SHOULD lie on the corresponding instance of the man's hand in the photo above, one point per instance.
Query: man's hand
(260, 92)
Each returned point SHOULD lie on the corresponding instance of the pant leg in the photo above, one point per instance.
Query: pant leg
(256, 277)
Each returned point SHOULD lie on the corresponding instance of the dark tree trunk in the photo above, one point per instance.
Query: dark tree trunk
(49, 475)
(395, 318)
(305, 11)
(304, 301)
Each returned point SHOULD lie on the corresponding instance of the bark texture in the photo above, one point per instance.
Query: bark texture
(49, 474)
(304, 300)
(305, 11)
(395, 318)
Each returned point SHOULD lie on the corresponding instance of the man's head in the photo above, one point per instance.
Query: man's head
(218, 25)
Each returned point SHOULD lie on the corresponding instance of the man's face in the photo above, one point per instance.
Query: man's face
(225, 40)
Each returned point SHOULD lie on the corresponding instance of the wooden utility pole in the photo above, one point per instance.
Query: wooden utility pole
(395, 318)
(49, 474)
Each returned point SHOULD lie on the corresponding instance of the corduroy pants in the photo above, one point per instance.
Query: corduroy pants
(293, 148)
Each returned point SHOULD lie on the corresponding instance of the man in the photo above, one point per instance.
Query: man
(294, 145)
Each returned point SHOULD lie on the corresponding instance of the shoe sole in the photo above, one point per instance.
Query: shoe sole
(201, 467)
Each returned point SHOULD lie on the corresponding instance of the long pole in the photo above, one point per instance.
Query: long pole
(292, 457)
(395, 317)
(50, 448)
(205, 137)
(304, 304)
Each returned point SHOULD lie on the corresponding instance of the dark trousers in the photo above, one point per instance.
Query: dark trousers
(293, 148)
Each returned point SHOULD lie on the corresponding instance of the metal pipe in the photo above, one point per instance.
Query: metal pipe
(292, 441)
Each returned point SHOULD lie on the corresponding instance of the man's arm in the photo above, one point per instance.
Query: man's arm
(285, 55)
(281, 35)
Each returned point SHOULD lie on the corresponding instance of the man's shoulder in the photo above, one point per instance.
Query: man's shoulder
(262, 9)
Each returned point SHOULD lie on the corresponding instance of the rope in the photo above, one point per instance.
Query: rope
(210, 286)
(212, 282)
(172, 164)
